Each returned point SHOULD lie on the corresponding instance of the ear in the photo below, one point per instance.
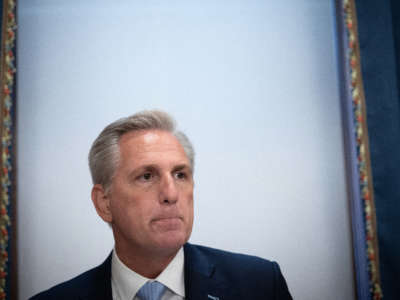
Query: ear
(101, 202)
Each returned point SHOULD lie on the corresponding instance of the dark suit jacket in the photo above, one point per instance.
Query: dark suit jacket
(209, 274)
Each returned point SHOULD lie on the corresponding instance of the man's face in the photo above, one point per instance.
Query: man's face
(151, 194)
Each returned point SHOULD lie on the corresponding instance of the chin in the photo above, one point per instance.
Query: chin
(171, 242)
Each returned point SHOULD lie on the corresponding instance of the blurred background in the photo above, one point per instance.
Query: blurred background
(254, 84)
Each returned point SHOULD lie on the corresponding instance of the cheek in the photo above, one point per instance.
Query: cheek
(141, 207)
(123, 205)
(188, 204)
(129, 216)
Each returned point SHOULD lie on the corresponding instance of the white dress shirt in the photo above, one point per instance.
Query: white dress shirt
(126, 283)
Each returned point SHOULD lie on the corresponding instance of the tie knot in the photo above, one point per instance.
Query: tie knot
(151, 290)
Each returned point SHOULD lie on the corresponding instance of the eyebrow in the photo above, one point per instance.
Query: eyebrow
(153, 167)
(182, 167)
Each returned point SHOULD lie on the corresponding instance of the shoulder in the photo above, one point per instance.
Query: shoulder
(251, 275)
(81, 285)
(228, 259)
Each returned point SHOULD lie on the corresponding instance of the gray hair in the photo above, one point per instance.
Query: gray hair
(104, 154)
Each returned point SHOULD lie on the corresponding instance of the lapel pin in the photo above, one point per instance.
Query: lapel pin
(212, 297)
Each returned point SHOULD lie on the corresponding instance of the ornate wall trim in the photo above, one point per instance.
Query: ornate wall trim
(365, 240)
(7, 101)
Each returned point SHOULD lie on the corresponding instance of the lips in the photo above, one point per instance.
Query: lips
(167, 217)
(168, 222)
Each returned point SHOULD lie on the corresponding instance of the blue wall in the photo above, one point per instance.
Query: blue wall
(379, 33)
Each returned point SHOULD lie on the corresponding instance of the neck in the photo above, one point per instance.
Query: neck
(146, 264)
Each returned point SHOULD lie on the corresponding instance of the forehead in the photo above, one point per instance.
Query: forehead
(151, 145)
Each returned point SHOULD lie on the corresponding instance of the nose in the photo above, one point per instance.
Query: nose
(168, 190)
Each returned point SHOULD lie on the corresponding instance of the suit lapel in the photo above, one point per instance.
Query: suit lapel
(99, 283)
(201, 279)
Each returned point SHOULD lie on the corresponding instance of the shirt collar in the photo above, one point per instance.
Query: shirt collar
(173, 275)
(126, 283)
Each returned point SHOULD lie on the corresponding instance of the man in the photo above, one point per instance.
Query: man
(142, 171)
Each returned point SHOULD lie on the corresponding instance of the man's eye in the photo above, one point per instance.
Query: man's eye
(146, 176)
(180, 175)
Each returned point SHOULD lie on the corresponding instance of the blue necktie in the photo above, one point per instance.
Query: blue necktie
(152, 290)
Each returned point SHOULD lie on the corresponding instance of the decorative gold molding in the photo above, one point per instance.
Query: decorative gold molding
(364, 164)
(7, 94)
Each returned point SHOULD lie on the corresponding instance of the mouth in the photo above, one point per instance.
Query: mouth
(168, 222)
